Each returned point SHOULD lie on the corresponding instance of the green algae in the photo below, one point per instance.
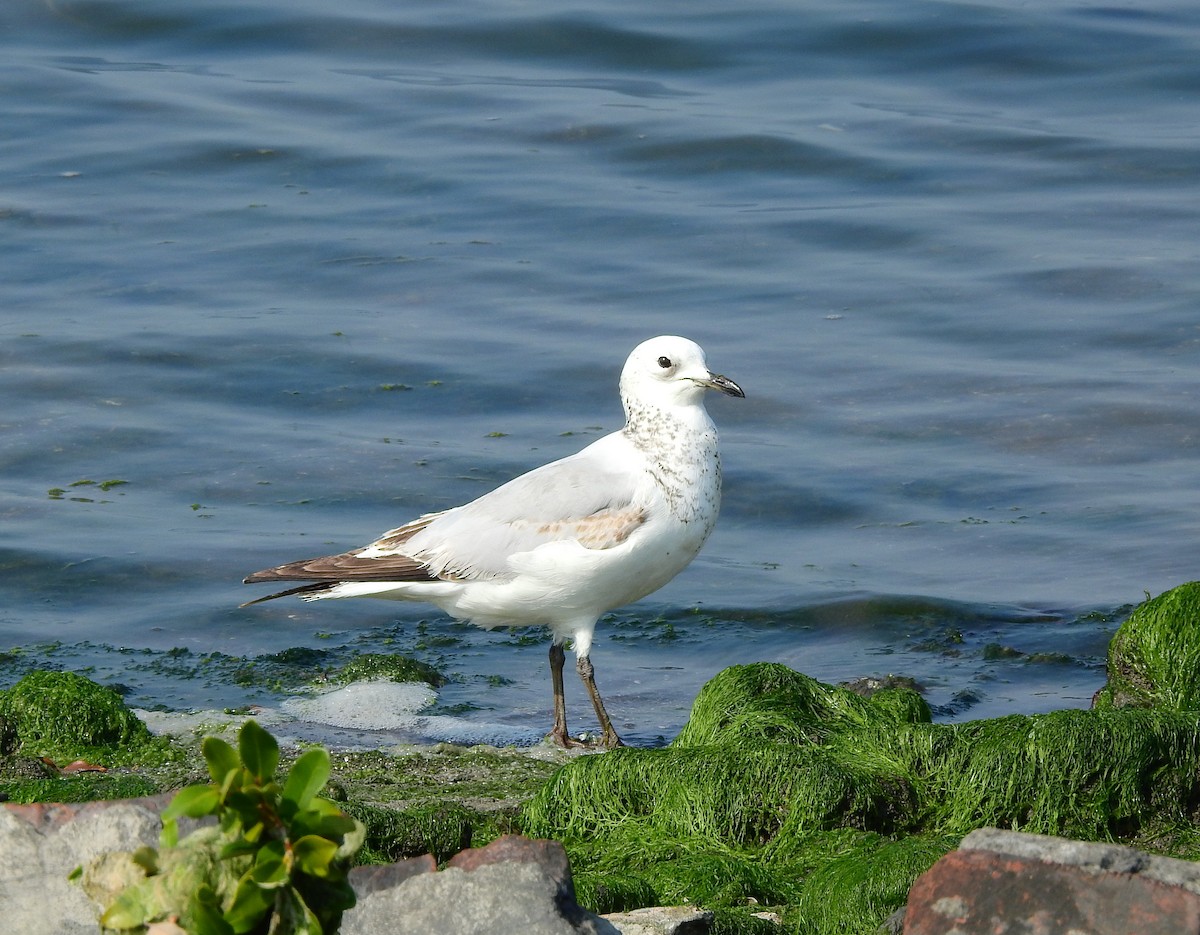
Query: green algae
(393, 666)
(863, 876)
(270, 674)
(1095, 775)
(787, 707)
(63, 716)
(785, 792)
(441, 828)
(902, 704)
(425, 800)
(66, 719)
(739, 795)
(1154, 659)
(435, 800)
(92, 787)
(54, 711)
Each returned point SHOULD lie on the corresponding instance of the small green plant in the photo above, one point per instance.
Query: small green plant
(276, 862)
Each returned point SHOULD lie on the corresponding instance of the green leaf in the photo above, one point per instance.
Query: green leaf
(270, 874)
(169, 836)
(323, 818)
(250, 904)
(221, 758)
(326, 808)
(203, 915)
(254, 832)
(352, 840)
(260, 752)
(193, 801)
(308, 776)
(237, 848)
(295, 914)
(246, 807)
(271, 866)
(128, 911)
(208, 922)
(314, 854)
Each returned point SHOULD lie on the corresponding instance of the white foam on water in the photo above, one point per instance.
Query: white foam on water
(386, 706)
(371, 705)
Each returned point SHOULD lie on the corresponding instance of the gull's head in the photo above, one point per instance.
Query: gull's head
(669, 370)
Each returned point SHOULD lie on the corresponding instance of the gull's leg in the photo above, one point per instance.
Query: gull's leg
(608, 734)
(558, 733)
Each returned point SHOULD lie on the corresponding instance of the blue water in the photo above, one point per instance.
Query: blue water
(295, 272)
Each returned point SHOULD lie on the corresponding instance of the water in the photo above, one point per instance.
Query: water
(295, 272)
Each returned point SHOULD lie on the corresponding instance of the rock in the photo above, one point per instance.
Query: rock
(1087, 855)
(662, 920)
(41, 844)
(375, 877)
(1013, 882)
(1154, 658)
(513, 886)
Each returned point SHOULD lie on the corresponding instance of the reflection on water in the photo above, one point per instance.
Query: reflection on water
(281, 276)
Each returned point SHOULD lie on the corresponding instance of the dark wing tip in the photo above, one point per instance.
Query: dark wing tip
(311, 588)
(347, 566)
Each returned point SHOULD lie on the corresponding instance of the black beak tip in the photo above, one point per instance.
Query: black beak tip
(727, 386)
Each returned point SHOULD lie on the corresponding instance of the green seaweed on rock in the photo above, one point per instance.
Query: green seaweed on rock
(785, 792)
(786, 706)
(865, 877)
(742, 796)
(1095, 775)
(57, 711)
(392, 666)
(1154, 659)
(746, 804)
(63, 716)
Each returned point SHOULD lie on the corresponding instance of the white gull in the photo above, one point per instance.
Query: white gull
(569, 541)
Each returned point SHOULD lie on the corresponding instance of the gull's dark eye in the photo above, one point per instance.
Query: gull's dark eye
(665, 363)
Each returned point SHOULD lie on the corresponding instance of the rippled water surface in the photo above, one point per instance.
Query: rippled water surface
(278, 276)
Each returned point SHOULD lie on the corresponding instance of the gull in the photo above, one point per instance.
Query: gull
(567, 542)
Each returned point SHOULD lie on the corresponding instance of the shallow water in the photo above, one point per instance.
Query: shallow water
(295, 273)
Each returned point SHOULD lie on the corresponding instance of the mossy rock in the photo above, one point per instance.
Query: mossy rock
(742, 796)
(802, 796)
(393, 666)
(1091, 775)
(61, 714)
(1154, 659)
(849, 882)
(769, 701)
(438, 828)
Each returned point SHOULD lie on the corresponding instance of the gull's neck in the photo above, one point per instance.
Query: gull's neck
(679, 442)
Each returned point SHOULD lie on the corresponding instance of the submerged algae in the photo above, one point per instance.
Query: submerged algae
(784, 791)
(393, 666)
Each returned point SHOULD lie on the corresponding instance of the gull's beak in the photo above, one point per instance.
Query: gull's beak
(716, 381)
